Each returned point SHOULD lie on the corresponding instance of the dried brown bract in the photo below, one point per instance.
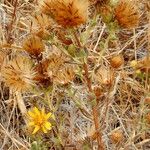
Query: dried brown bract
(33, 45)
(127, 14)
(67, 13)
(2, 58)
(62, 37)
(42, 25)
(42, 20)
(42, 79)
(99, 2)
(98, 91)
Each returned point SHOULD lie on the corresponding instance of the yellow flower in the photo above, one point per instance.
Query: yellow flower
(39, 119)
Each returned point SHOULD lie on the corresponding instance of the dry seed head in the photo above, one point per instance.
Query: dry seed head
(42, 78)
(116, 61)
(64, 75)
(33, 45)
(58, 70)
(67, 13)
(55, 60)
(147, 117)
(18, 74)
(104, 76)
(127, 14)
(116, 137)
(147, 100)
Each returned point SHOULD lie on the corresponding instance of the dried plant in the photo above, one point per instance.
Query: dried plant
(33, 45)
(127, 14)
(75, 74)
(18, 74)
(67, 13)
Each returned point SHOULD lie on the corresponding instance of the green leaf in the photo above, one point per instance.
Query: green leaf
(38, 145)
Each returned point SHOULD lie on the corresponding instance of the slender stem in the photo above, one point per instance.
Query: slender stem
(21, 104)
(77, 40)
(95, 107)
(10, 26)
(94, 110)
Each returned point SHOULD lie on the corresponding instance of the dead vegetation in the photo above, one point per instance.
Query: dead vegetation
(75, 75)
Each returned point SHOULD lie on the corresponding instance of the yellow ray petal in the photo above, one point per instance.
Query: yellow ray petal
(48, 125)
(43, 111)
(31, 114)
(31, 123)
(36, 129)
(53, 117)
(36, 110)
(48, 115)
(44, 129)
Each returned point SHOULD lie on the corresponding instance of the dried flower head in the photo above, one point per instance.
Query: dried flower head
(67, 13)
(42, 78)
(127, 14)
(116, 61)
(104, 76)
(64, 75)
(116, 136)
(56, 59)
(147, 100)
(58, 69)
(147, 117)
(39, 119)
(33, 45)
(18, 74)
